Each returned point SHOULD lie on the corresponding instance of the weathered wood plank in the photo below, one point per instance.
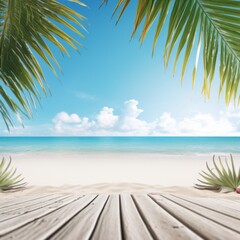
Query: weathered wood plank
(213, 204)
(132, 224)
(228, 203)
(14, 213)
(109, 224)
(22, 205)
(29, 216)
(232, 204)
(203, 226)
(104, 217)
(82, 225)
(46, 226)
(160, 223)
(5, 203)
(211, 214)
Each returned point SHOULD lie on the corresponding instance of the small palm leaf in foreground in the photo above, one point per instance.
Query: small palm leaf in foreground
(8, 178)
(220, 177)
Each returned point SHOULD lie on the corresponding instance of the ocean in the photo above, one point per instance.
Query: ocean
(163, 145)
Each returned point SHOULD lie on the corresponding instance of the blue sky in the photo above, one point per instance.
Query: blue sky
(115, 87)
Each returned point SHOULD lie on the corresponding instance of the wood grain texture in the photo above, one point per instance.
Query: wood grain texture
(82, 226)
(215, 216)
(201, 224)
(215, 205)
(160, 223)
(109, 223)
(21, 218)
(33, 203)
(119, 217)
(234, 205)
(131, 217)
(44, 227)
(19, 200)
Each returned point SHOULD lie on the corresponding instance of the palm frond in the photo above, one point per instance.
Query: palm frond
(9, 181)
(211, 25)
(26, 29)
(225, 177)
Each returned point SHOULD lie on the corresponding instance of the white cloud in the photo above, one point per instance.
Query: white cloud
(81, 128)
(71, 124)
(106, 123)
(166, 123)
(206, 124)
(65, 117)
(129, 123)
(131, 109)
(106, 119)
(129, 120)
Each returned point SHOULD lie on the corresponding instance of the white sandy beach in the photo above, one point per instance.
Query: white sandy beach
(58, 169)
(112, 173)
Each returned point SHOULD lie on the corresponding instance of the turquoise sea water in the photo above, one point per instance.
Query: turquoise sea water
(164, 145)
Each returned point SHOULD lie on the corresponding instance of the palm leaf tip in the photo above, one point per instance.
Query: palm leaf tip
(212, 26)
(221, 177)
(27, 28)
(9, 181)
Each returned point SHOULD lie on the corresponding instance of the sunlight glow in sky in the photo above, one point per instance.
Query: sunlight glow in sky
(115, 87)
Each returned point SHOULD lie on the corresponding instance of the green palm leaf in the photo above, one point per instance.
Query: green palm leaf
(9, 181)
(211, 25)
(225, 177)
(26, 29)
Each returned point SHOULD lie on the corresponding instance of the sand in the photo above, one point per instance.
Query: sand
(118, 188)
(112, 173)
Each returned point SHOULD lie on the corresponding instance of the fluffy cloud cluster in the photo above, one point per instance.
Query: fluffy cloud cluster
(129, 123)
(106, 119)
(64, 117)
(199, 124)
(66, 124)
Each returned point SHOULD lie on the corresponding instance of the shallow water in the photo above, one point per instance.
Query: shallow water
(164, 145)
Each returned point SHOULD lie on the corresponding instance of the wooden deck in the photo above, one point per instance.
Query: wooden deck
(113, 217)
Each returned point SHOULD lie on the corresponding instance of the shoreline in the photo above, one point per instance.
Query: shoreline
(162, 154)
